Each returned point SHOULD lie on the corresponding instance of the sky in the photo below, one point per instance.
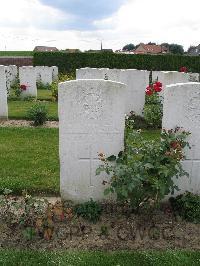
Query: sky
(83, 24)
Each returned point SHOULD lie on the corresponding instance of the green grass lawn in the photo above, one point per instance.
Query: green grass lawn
(44, 95)
(17, 109)
(122, 258)
(29, 160)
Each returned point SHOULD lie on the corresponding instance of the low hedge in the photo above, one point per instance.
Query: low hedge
(69, 62)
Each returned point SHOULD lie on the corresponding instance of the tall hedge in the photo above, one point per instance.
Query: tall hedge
(69, 62)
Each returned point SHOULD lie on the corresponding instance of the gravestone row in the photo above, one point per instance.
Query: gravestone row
(91, 121)
(28, 76)
(136, 81)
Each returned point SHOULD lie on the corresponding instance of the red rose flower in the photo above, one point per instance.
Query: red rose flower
(156, 88)
(149, 92)
(159, 84)
(148, 88)
(23, 87)
(183, 69)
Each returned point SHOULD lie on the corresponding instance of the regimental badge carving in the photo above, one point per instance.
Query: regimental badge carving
(91, 102)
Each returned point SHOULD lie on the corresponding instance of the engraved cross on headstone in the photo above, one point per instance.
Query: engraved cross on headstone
(91, 158)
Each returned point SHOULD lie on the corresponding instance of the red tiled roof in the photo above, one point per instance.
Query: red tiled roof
(152, 48)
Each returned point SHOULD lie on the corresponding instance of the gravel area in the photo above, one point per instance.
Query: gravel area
(26, 123)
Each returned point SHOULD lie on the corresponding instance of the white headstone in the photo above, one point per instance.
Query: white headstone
(182, 108)
(8, 79)
(136, 81)
(27, 76)
(91, 120)
(54, 73)
(194, 77)
(38, 70)
(11, 76)
(46, 75)
(14, 73)
(169, 77)
(3, 94)
(91, 73)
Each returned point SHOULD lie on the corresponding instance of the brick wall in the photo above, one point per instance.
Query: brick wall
(16, 60)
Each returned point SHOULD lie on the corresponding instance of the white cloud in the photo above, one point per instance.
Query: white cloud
(143, 21)
(30, 13)
(27, 23)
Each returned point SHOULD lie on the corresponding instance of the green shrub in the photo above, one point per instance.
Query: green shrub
(64, 77)
(153, 108)
(143, 173)
(54, 90)
(43, 86)
(15, 89)
(187, 206)
(68, 63)
(38, 114)
(54, 85)
(134, 121)
(90, 210)
(153, 112)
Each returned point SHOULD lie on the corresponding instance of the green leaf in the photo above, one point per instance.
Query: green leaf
(148, 166)
(106, 191)
(99, 170)
(120, 154)
(111, 158)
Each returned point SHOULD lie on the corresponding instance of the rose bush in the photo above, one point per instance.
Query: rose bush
(144, 172)
(153, 105)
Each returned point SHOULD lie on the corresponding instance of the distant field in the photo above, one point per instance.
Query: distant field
(16, 53)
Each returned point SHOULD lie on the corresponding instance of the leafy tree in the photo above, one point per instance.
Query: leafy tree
(165, 44)
(128, 47)
(151, 43)
(176, 49)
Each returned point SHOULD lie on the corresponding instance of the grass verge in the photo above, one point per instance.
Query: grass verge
(18, 109)
(122, 258)
(29, 160)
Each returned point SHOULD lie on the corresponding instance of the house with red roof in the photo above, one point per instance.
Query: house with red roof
(151, 49)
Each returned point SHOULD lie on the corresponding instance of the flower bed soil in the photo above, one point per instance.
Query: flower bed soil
(117, 229)
(26, 123)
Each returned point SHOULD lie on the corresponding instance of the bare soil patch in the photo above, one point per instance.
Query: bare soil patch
(117, 229)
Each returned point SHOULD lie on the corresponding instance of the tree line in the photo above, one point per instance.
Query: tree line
(173, 48)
